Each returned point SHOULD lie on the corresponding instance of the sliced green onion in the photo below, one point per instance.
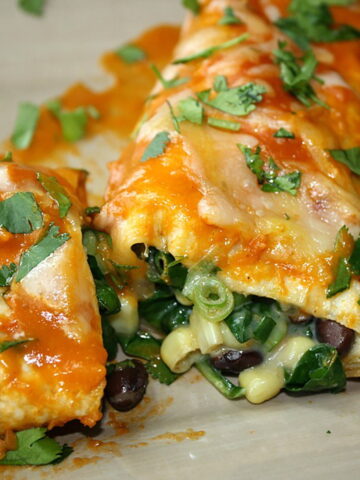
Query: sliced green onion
(277, 333)
(264, 329)
(204, 268)
(90, 242)
(221, 383)
(213, 299)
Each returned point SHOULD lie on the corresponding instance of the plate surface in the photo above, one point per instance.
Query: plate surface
(187, 430)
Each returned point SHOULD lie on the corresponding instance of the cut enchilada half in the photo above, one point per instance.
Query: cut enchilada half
(52, 359)
(242, 162)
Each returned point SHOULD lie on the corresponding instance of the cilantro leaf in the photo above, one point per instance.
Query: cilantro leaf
(35, 7)
(191, 110)
(25, 125)
(211, 50)
(312, 21)
(130, 53)
(50, 242)
(35, 448)
(92, 210)
(267, 175)
(7, 157)
(342, 278)
(283, 133)
(229, 17)
(56, 191)
(192, 5)
(20, 213)
(174, 82)
(220, 83)
(73, 123)
(13, 343)
(354, 259)
(349, 157)
(157, 146)
(160, 371)
(7, 273)
(222, 123)
(238, 101)
(174, 118)
(296, 76)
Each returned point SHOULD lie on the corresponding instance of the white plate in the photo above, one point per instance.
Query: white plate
(187, 430)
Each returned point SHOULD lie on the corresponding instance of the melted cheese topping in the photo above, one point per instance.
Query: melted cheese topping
(200, 199)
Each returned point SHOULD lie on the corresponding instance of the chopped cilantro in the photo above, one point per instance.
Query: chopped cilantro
(35, 448)
(20, 213)
(211, 50)
(174, 118)
(222, 123)
(157, 146)
(267, 175)
(73, 123)
(220, 83)
(238, 101)
(130, 53)
(174, 82)
(296, 76)
(349, 157)
(92, 210)
(7, 273)
(56, 191)
(342, 278)
(7, 157)
(354, 259)
(35, 7)
(191, 110)
(50, 242)
(312, 21)
(13, 343)
(25, 125)
(283, 133)
(192, 5)
(229, 17)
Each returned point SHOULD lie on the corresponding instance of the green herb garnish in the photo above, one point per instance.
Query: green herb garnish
(73, 123)
(13, 343)
(191, 110)
(229, 17)
(174, 118)
(130, 53)
(157, 146)
(20, 213)
(220, 83)
(312, 21)
(283, 133)
(211, 50)
(225, 124)
(349, 157)
(7, 273)
(342, 278)
(56, 191)
(268, 176)
(50, 242)
(192, 5)
(174, 82)
(7, 157)
(92, 210)
(25, 125)
(35, 7)
(35, 448)
(296, 74)
(237, 101)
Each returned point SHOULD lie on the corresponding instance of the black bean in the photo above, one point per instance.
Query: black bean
(300, 318)
(340, 337)
(232, 362)
(126, 385)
